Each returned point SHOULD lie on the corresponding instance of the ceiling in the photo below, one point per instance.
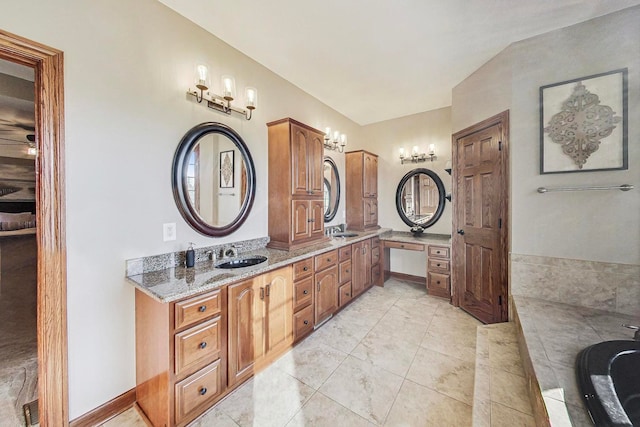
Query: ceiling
(375, 60)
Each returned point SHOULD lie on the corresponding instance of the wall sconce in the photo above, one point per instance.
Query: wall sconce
(416, 156)
(337, 143)
(223, 102)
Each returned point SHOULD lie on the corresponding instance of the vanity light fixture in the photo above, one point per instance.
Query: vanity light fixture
(337, 142)
(416, 156)
(223, 102)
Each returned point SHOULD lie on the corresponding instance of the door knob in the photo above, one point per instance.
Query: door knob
(461, 232)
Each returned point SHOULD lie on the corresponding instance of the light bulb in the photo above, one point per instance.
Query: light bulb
(432, 149)
(202, 77)
(251, 96)
(228, 88)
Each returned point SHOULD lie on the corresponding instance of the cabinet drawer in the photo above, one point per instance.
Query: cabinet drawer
(439, 265)
(198, 390)
(302, 294)
(345, 253)
(302, 322)
(344, 294)
(439, 251)
(326, 260)
(375, 242)
(404, 245)
(345, 272)
(375, 255)
(438, 285)
(302, 269)
(197, 346)
(193, 310)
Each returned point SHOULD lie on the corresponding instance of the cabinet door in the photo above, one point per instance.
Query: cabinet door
(279, 308)
(317, 217)
(326, 293)
(370, 212)
(361, 266)
(301, 222)
(246, 328)
(315, 158)
(299, 162)
(370, 178)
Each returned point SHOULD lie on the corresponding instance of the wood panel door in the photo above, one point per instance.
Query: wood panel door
(246, 328)
(301, 221)
(278, 287)
(299, 163)
(315, 158)
(326, 293)
(361, 266)
(370, 183)
(316, 228)
(480, 219)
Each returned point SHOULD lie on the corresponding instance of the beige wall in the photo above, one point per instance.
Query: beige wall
(594, 226)
(385, 139)
(127, 68)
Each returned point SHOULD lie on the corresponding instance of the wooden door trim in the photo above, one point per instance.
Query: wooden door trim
(501, 119)
(50, 224)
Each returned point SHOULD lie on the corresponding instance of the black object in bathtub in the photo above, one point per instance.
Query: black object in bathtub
(609, 379)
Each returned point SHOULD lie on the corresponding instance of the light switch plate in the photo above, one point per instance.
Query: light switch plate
(169, 231)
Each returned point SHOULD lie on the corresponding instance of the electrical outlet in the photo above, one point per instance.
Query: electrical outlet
(169, 231)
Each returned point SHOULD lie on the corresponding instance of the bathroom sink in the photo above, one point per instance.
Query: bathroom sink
(344, 234)
(242, 262)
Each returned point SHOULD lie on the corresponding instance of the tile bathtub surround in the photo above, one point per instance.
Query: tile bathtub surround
(600, 285)
(328, 381)
(551, 336)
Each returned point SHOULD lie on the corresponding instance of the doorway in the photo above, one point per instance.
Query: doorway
(51, 300)
(480, 219)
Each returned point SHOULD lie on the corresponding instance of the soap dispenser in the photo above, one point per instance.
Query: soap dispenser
(190, 256)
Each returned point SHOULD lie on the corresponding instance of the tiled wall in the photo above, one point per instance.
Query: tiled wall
(601, 285)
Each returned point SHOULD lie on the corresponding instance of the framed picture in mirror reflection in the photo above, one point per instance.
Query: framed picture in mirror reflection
(227, 169)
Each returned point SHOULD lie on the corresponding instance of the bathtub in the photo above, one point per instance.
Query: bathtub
(608, 375)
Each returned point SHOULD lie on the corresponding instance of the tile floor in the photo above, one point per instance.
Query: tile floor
(395, 357)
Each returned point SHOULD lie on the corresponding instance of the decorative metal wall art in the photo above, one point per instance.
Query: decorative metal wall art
(583, 124)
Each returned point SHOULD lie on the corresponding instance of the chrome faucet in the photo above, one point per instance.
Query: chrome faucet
(231, 252)
(636, 336)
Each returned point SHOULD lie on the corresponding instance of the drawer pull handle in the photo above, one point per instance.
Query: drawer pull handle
(305, 269)
(202, 308)
(348, 294)
(438, 282)
(402, 246)
(328, 259)
(348, 271)
(306, 292)
(203, 391)
(306, 322)
(438, 265)
(203, 345)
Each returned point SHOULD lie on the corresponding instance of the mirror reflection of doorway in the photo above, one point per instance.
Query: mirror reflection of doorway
(18, 246)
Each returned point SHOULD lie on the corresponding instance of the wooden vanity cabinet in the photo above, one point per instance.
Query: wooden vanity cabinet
(362, 190)
(181, 350)
(345, 275)
(296, 205)
(361, 266)
(439, 271)
(376, 263)
(326, 284)
(303, 298)
(260, 322)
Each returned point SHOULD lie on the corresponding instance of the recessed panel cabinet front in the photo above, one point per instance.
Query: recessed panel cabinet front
(326, 293)
(260, 321)
(246, 328)
(296, 207)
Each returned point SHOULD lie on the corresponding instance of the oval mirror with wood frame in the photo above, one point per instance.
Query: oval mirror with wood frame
(331, 187)
(213, 179)
(420, 198)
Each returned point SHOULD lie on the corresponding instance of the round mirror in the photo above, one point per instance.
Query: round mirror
(331, 185)
(213, 179)
(420, 198)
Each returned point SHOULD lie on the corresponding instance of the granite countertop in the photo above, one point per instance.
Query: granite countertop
(172, 284)
(554, 334)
